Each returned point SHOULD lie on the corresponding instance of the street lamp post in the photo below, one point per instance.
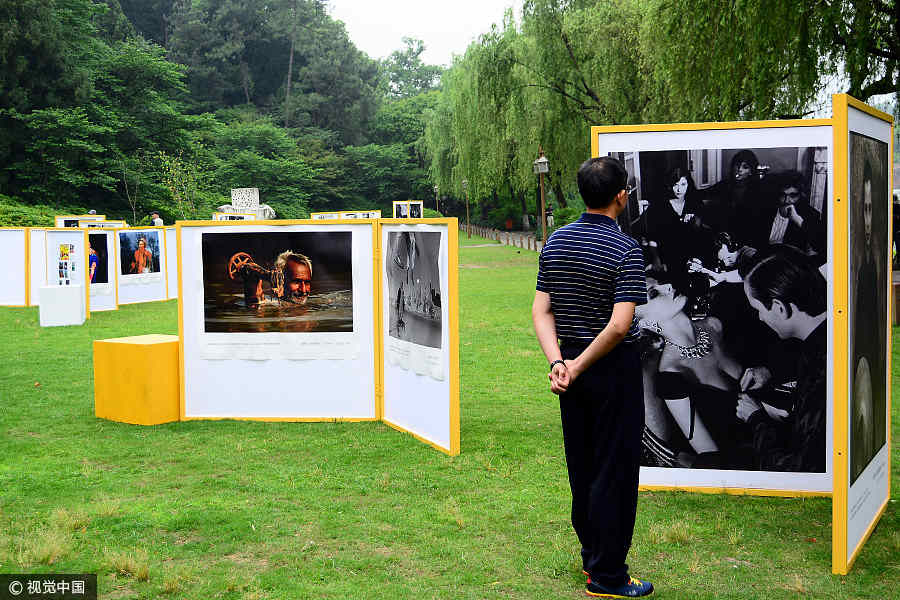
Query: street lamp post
(465, 184)
(436, 202)
(541, 166)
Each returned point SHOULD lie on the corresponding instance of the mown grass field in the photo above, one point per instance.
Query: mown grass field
(250, 510)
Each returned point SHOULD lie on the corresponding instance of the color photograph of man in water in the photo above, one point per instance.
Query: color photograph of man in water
(277, 282)
(414, 287)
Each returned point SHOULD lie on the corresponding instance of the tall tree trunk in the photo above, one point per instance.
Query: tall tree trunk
(525, 224)
(245, 81)
(287, 91)
(557, 191)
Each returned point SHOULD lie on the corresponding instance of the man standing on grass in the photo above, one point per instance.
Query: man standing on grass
(590, 278)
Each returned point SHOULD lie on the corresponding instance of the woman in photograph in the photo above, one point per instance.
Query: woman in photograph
(143, 259)
(689, 377)
(92, 261)
(673, 223)
(733, 203)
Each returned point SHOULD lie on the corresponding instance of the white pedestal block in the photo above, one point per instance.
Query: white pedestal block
(62, 305)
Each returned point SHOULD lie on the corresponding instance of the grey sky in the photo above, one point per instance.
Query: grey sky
(377, 28)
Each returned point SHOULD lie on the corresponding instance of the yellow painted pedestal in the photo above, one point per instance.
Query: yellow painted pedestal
(136, 379)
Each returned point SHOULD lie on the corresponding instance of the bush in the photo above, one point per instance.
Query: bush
(13, 213)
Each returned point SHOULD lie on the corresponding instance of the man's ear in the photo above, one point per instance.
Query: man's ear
(780, 308)
(622, 198)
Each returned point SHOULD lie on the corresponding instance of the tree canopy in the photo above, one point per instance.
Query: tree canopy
(128, 106)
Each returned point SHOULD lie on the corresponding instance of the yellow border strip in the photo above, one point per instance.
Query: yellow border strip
(27, 265)
(181, 383)
(453, 292)
(735, 491)
(87, 277)
(862, 106)
(378, 271)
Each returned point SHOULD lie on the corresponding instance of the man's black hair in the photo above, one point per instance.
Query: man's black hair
(789, 276)
(600, 180)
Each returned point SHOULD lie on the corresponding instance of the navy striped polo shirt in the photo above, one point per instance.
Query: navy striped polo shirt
(586, 267)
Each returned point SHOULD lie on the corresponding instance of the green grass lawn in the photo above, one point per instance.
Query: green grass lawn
(357, 510)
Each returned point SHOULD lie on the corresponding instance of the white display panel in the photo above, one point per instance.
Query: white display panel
(141, 273)
(73, 220)
(419, 392)
(103, 284)
(271, 387)
(172, 262)
(37, 259)
(869, 489)
(705, 150)
(13, 277)
(66, 262)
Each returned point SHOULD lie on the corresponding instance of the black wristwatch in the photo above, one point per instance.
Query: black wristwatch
(557, 361)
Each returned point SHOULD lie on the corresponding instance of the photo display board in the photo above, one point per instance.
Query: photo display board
(863, 141)
(737, 394)
(141, 264)
(420, 331)
(14, 279)
(278, 320)
(409, 209)
(171, 262)
(364, 315)
(75, 220)
(65, 252)
(324, 216)
(37, 263)
(102, 269)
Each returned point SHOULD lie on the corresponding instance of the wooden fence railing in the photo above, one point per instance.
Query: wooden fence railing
(515, 239)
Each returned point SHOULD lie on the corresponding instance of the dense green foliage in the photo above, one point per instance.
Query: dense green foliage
(165, 105)
(566, 65)
(128, 106)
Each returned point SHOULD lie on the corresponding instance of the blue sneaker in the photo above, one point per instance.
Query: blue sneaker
(633, 588)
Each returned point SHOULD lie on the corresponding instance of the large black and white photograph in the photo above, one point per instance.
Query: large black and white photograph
(414, 269)
(734, 335)
(868, 274)
(264, 281)
(414, 287)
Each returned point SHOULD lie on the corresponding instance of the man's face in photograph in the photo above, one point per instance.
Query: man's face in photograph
(297, 281)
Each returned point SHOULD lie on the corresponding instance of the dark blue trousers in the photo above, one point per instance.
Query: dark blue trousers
(602, 419)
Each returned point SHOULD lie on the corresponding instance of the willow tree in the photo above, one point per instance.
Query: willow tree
(752, 59)
(569, 65)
